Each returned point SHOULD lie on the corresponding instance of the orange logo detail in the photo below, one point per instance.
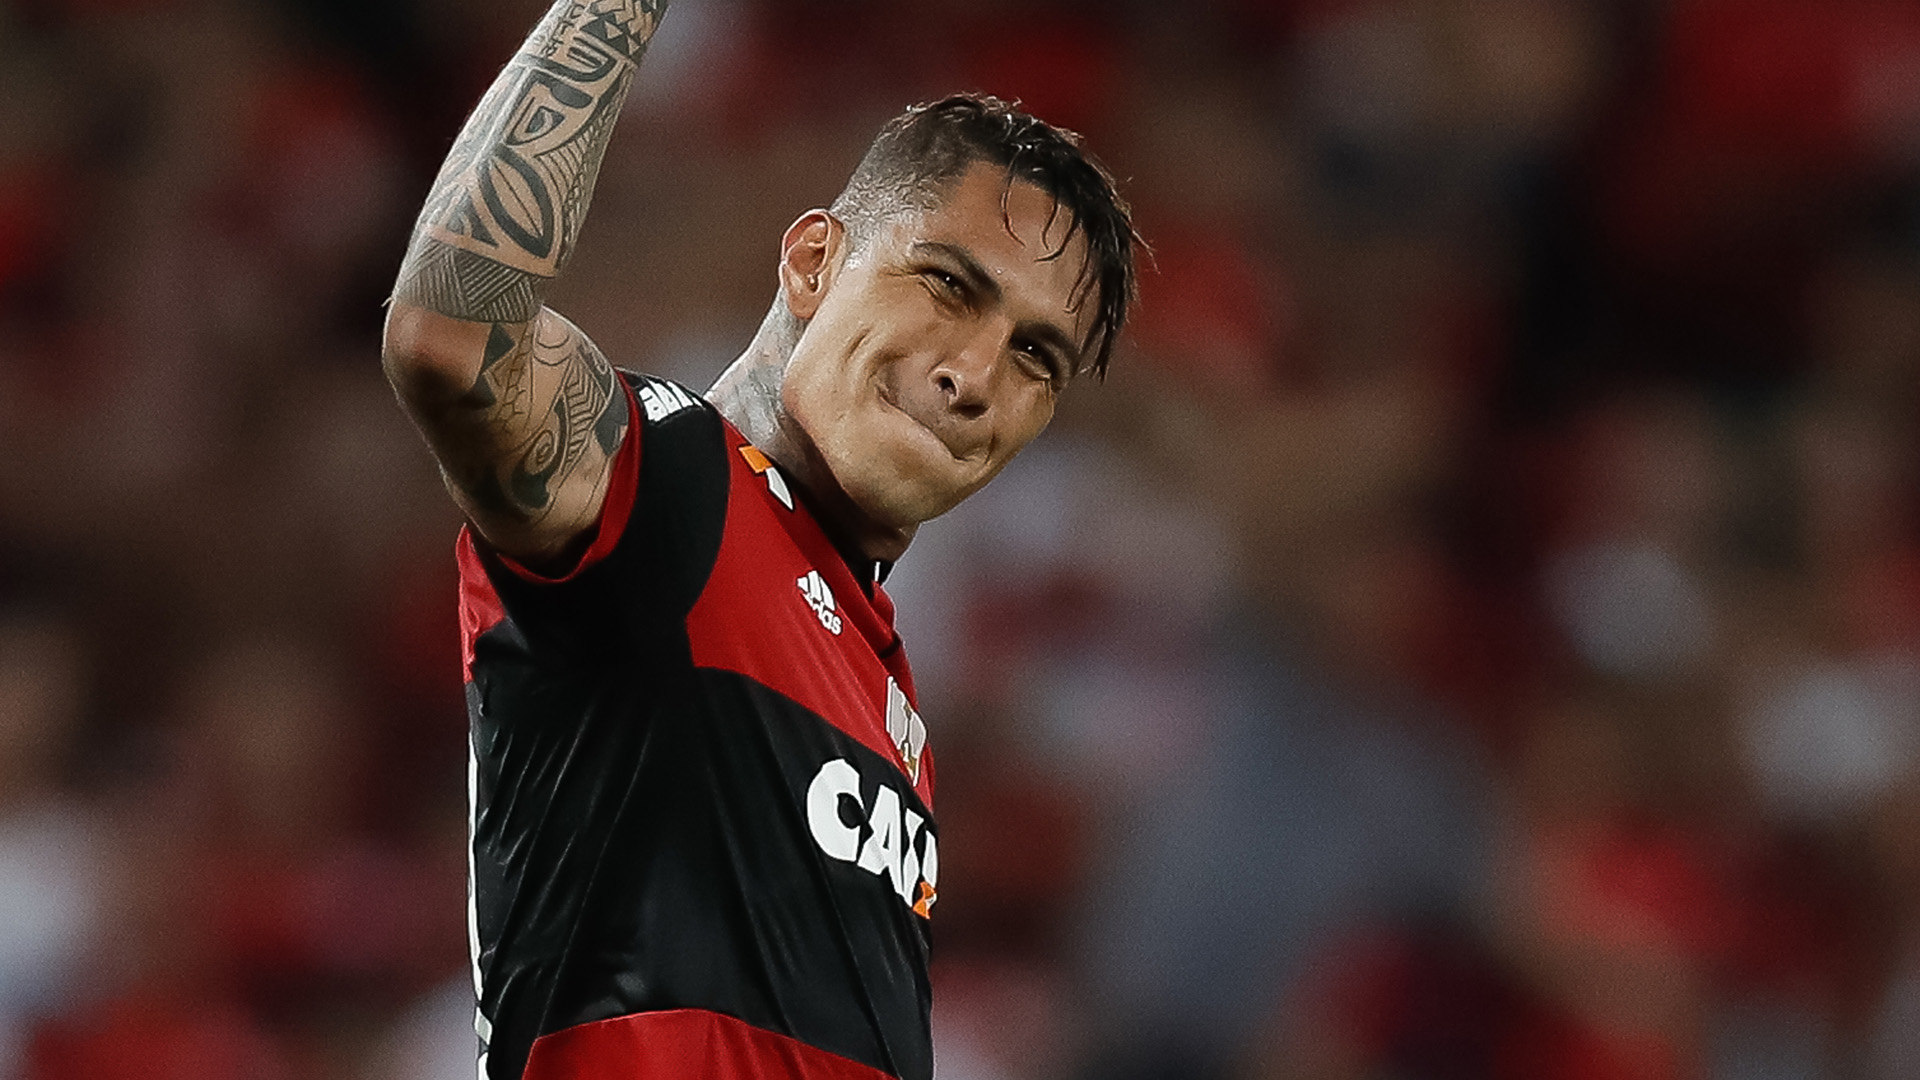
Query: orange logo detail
(763, 466)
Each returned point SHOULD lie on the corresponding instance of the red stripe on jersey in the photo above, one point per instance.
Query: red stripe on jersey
(480, 607)
(755, 618)
(682, 1044)
(896, 661)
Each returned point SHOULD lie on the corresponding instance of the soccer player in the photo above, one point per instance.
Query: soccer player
(703, 840)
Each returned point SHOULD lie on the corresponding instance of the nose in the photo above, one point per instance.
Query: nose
(965, 374)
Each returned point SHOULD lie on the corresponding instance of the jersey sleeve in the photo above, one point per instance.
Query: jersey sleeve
(651, 551)
(623, 482)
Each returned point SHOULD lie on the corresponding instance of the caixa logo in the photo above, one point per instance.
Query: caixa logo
(898, 845)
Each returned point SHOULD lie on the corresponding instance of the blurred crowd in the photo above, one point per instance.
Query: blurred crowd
(1474, 633)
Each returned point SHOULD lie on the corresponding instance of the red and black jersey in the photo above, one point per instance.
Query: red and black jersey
(703, 843)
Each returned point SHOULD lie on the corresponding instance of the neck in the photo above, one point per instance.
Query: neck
(748, 395)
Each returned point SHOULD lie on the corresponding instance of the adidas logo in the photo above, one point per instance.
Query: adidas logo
(662, 399)
(905, 728)
(820, 599)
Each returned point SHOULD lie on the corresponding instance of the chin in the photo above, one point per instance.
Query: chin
(903, 492)
(898, 478)
(897, 504)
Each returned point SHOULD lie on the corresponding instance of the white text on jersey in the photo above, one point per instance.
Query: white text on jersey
(899, 847)
(663, 399)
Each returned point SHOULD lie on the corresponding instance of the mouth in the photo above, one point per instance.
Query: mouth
(887, 399)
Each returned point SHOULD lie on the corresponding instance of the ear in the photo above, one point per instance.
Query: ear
(809, 257)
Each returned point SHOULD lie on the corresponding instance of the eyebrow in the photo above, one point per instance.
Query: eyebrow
(1044, 330)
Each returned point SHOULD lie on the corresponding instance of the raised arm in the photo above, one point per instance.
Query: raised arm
(522, 411)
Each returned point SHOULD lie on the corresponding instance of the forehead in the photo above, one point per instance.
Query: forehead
(1017, 233)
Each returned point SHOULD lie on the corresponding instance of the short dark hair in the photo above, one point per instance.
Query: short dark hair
(920, 153)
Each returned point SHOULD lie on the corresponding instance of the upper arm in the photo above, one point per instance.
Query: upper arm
(525, 419)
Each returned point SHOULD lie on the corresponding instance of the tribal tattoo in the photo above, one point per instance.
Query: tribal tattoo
(533, 446)
(505, 212)
(527, 446)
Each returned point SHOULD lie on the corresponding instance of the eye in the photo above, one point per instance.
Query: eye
(1035, 361)
(947, 287)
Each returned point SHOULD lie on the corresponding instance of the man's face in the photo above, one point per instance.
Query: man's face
(936, 351)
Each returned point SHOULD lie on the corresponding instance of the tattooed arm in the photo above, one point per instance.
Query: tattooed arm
(522, 411)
